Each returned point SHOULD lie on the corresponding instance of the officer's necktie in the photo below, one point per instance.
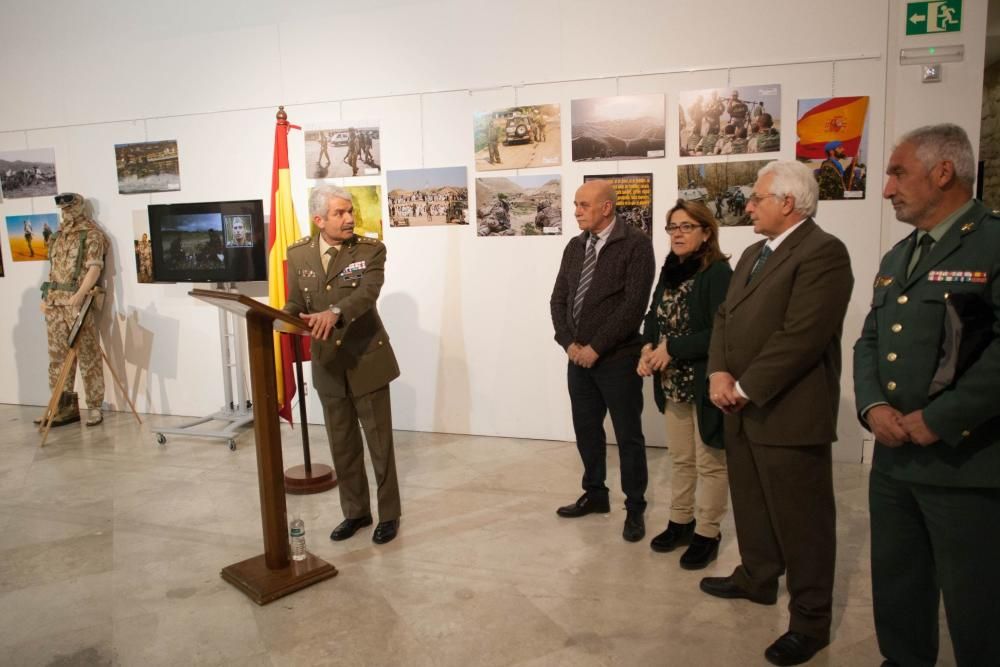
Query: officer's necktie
(761, 258)
(586, 275)
(331, 252)
(923, 247)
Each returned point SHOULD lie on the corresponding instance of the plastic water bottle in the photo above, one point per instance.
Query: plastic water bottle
(297, 532)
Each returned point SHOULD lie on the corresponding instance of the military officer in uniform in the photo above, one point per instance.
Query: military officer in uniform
(334, 279)
(927, 378)
(76, 253)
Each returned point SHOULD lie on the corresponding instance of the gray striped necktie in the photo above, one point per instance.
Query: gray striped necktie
(586, 275)
(761, 258)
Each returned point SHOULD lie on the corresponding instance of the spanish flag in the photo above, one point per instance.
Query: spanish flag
(837, 119)
(283, 231)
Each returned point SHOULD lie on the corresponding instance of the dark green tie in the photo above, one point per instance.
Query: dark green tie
(923, 248)
(761, 258)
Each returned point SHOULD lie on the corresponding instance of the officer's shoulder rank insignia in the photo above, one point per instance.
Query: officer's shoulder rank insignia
(302, 241)
(365, 239)
(968, 227)
(883, 281)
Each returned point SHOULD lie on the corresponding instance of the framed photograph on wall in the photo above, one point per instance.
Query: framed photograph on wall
(519, 206)
(633, 198)
(627, 127)
(518, 137)
(833, 142)
(149, 166)
(354, 150)
(28, 173)
(724, 187)
(426, 197)
(730, 121)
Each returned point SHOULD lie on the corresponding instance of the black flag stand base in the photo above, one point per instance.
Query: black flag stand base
(311, 477)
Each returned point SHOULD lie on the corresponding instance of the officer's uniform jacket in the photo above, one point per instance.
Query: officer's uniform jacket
(357, 356)
(899, 353)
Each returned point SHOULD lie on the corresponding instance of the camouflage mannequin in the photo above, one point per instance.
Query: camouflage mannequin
(77, 258)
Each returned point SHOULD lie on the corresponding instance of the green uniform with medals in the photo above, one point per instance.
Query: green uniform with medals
(935, 510)
(353, 367)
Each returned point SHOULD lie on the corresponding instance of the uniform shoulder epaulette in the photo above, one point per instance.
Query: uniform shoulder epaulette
(366, 239)
(302, 241)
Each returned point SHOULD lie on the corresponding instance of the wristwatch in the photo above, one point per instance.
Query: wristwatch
(335, 310)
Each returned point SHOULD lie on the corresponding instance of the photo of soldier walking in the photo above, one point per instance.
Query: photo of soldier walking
(354, 150)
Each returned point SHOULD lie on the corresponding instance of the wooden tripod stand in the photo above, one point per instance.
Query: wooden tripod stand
(57, 390)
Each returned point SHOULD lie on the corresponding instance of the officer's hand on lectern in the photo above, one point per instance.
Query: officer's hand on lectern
(321, 324)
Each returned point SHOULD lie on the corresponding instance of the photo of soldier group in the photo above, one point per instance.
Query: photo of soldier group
(730, 121)
(367, 202)
(518, 137)
(425, 197)
(519, 206)
(150, 166)
(28, 173)
(239, 231)
(30, 235)
(619, 128)
(342, 152)
(193, 242)
(724, 187)
(634, 197)
(833, 142)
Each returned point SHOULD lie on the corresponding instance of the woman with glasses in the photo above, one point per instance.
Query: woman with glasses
(677, 329)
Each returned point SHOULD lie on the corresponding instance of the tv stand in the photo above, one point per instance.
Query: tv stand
(237, 411)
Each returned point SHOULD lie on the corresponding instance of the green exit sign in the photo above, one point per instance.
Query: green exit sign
(923, 18)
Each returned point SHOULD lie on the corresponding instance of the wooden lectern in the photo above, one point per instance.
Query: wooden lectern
(274, 574)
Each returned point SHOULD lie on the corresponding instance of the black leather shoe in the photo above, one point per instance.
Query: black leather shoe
(724, 587)
(676, 534)
(585, 504)
(703, 550)
(348, 527)
(635, 526)
(385, 531)
(793, 648)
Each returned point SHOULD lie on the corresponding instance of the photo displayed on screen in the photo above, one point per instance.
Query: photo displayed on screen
(208, 242)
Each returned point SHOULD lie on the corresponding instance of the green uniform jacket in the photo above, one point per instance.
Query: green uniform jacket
(897, 355)
(357, 355)
(707, 293)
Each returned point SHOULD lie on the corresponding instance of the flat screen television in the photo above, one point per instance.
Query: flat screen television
(208, 242)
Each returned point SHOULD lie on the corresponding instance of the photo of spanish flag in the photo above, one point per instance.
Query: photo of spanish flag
(833, 141)
(282, 232)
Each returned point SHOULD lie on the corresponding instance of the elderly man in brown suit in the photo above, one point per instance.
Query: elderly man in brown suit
(334, 279)
(774, 367)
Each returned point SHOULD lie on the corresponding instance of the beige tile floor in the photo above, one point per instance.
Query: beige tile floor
(111, 546)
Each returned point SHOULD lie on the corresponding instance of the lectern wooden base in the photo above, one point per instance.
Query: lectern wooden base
(263, 585)
(319, 478)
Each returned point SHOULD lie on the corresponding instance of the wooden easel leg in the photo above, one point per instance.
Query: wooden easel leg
(56, 393)
(121, 385)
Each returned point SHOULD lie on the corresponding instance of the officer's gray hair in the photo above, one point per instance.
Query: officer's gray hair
(946, 141)
(795, 180)
(319, 199)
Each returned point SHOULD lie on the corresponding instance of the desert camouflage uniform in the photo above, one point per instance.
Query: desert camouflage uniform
(768, 140)
(78, 245)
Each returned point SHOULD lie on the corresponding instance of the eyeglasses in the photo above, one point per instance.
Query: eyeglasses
(756, 198)
(685, 227)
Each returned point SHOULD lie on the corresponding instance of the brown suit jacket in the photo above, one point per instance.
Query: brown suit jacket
(357, 355)
(779, 337)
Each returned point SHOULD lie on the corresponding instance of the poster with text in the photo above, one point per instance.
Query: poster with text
(833, 142)
(633, 198)
(725, 187)
(627, 127)
(730, 121)
(426, 197)
(352, 150)
(28, 173)
(519, 206)
(30, 235)
(150, 166)
(518, 137)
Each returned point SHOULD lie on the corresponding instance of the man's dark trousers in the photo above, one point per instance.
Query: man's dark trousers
(613, 386)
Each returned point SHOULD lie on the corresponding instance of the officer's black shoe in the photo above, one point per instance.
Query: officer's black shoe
(676, 534)
(385, 531)
(348, 527)
(635, 526)
(793, 648)
(703, 550)
(585, 504)
(725, 587)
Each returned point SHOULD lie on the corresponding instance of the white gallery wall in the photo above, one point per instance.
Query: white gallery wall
(468, 316)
